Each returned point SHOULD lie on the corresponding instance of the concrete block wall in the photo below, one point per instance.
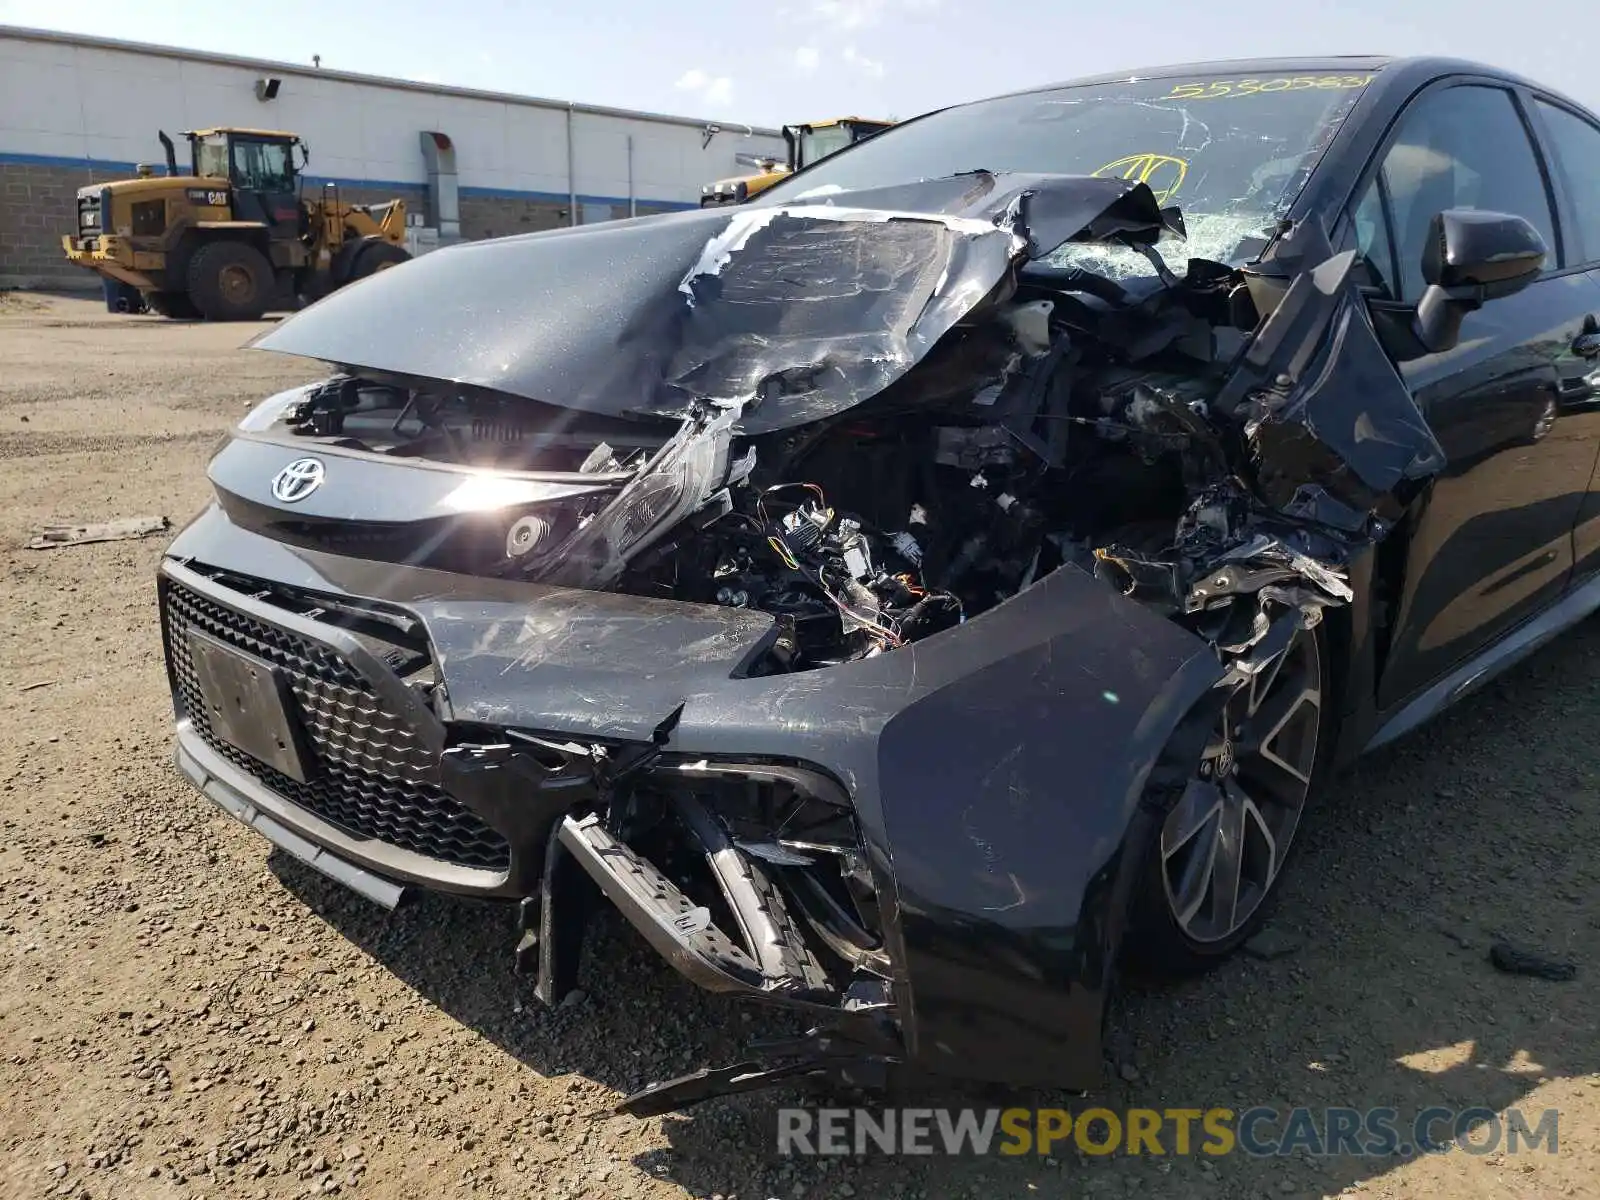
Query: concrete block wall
(38, 203)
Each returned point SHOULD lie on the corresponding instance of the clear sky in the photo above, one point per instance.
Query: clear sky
(770, 61)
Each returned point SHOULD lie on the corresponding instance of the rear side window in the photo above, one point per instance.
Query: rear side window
(1460, 147)
(1575, 144)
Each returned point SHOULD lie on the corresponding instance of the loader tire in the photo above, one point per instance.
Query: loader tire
(176, 305)
(230, 281)
(379, 256)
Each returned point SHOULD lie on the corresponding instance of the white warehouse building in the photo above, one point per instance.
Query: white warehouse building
(79, 110)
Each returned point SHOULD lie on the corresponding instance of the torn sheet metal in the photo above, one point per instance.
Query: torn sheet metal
(1269, 553)
(1351, 433)
(1046, 211)
(1332, 435)
(1050, 218)
(746, 223)
(1279, 578)
(1334, 432)
(815, 314)
(644, 318)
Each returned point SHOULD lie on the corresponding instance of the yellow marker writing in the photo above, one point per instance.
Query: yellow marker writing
(1162, 173)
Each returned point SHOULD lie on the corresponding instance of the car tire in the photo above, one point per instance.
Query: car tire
(1265, 756)
(375, 257)
(230, 281)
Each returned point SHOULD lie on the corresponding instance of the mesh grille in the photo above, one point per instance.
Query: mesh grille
(376, 779)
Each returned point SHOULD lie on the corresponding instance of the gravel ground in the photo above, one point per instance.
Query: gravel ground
(185, 1015)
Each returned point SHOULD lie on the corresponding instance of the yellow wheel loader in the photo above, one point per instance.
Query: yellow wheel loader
(807, 144)
(234, 236)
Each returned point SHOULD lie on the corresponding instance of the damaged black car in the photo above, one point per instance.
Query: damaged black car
(910, 595)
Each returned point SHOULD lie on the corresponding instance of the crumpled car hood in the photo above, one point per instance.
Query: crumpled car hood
(795, 312)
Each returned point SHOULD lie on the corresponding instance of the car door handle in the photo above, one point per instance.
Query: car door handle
(1587, 344)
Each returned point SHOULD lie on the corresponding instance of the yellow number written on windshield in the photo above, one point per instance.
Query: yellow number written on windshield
(1216, 89)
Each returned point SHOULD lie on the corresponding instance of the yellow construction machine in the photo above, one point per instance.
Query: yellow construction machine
(235, 235)
(807, 144)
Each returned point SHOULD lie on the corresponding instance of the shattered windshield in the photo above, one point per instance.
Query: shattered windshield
(1231, 151)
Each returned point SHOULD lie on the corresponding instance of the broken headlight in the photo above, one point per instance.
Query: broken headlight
(691, 468)
(597, 550)
(641, 509)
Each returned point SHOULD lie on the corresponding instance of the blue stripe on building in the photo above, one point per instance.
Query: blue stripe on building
(108, 168)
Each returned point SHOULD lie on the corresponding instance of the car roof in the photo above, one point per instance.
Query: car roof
(1415, 68)
(1235, 66)
(1394, 74)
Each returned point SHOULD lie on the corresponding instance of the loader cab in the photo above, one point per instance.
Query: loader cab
(813, 142)
(807, 144)
(260, 165)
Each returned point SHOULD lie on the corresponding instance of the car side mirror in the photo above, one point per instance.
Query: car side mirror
(1471, 257)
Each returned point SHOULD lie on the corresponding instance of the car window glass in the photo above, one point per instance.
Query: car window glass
(1460, 147)
(1373, 243)
(1576, 147)
(1231, 151)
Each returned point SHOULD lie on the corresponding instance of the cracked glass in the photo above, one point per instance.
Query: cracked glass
(1232, 152)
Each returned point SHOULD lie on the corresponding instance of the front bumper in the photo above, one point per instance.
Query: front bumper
(228, 789)
(114, 256)
(994, 772)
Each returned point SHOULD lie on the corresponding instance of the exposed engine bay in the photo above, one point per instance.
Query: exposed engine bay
(1069, 422)
(875, 423)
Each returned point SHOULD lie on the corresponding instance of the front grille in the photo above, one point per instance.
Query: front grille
(88, 215)
(374, 777)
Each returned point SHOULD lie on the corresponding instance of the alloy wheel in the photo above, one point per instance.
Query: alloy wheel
(1225, 841)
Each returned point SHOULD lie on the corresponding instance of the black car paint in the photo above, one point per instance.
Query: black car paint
(957, 754)
(1586, 529)
(1493, 538)
(1493, 543)
(997, 776)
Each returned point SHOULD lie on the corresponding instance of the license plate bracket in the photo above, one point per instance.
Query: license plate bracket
(249, 705)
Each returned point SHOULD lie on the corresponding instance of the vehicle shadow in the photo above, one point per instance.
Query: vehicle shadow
(1480, 826)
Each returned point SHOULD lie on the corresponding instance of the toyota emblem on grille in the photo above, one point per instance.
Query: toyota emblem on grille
(298, 480)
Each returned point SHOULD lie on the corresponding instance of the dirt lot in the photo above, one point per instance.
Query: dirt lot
(183, 1015)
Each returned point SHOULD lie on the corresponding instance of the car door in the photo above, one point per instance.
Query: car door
(1572, 146)
(1491, 543)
